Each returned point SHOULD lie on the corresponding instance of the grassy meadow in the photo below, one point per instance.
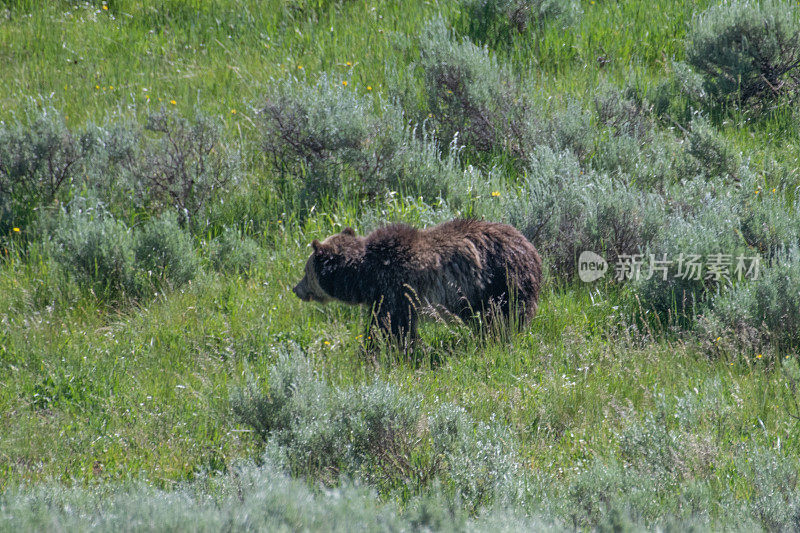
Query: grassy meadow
(164, 166)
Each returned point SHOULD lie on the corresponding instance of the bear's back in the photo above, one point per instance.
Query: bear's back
(458, 265)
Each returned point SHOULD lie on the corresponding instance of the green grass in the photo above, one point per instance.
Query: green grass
(98, 394)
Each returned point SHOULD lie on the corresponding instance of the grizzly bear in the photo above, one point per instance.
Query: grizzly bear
(462, 267)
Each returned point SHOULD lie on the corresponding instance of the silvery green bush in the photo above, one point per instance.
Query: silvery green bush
(469, 93)
(766, 308)
(165, 251)
(690, 241)
(746, 50)
(39, 160)
(716, 159)
(565, 210)
(97, 250)
(113, 260)
(495, 22)
(182, 164)
(376, 433)
(231, 251)
(327, 140)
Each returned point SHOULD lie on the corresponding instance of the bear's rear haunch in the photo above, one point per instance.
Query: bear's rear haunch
(463, 267)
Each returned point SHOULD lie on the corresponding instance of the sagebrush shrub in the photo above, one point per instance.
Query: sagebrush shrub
(689, 242)
(769, 222)
(97, 250)
(776, 495)
(551, 208)
(233, 252)
(497, 21)
(373, 432)
(118, 152)
(670, 97)
(624, 111)
(332, 142)
(481, 463)
(184, 164)
(565, 210)
(568, 128)
(469, 93)
(715, 157)
(323, 135)
(746, 50)
(766, 308)
(420, 167)
(39, 160)
(165, 251)
(322, 432)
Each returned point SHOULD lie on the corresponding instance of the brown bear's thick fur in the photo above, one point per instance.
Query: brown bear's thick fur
(463, 267)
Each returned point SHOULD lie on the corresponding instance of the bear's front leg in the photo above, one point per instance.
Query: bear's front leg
(397, 318)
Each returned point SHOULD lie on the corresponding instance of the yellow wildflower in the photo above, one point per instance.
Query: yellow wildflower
(233, 111)
(495, 193)
(369, 87)
(344, 82)
(105, 7)
(299, 67)
(173, 102)
(16, 230)
(759, 356)
(349, 64)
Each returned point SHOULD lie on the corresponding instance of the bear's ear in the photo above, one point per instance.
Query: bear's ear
(349, 231)
(316, 245)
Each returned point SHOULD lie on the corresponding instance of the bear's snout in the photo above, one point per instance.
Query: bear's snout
(301, 290)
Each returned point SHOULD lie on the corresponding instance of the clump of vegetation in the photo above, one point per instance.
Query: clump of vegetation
(765, 308)
(747, 51)
(331, 142)
(184, 165)
(624, 111)
(113, 173)
(321, 134)
(704, 252)
(373, 432)
(714, 156)
(116, 261)
(165, 251)
(565, 210)
(39, 162)
(776, 498)
(469, 93)
(233, 252)
(496, 21)
(97, 250)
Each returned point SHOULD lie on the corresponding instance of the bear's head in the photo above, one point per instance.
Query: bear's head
(330, 267)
